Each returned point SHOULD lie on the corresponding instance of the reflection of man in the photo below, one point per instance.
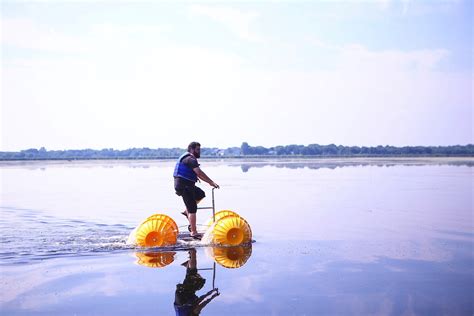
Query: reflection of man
(186, 302)
(186, 173)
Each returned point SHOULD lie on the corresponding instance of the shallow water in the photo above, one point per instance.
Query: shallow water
(333, 237)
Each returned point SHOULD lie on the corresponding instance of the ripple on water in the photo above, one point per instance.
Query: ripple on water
(29, 236)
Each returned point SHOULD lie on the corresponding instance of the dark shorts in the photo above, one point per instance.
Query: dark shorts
(191, 194)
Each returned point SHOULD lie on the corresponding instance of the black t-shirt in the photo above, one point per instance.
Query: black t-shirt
(192, 163)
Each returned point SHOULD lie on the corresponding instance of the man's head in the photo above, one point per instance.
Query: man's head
(195, 149)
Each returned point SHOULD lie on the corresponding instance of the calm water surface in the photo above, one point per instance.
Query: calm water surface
(333, 237)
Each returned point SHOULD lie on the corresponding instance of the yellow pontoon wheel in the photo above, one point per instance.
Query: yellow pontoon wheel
(219, 215)
(158, 216)
(159, 230)
(155, 259)
(231, 230)
(232, 257)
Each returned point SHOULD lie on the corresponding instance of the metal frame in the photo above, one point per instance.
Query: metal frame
(213, 274)
(213, 207)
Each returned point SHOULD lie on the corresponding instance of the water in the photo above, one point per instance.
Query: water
(333, 237)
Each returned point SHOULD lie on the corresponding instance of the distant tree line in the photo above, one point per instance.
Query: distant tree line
(339, 150)
(245, 150)
(110, 153)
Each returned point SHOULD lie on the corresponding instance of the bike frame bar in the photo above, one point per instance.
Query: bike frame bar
(213, 207)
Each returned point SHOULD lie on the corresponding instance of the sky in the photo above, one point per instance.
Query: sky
(117, 74)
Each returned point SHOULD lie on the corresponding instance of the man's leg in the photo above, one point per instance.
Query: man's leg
(191, 208)
(192, 222)
(198, 196)
(186, 213)
(192, 262)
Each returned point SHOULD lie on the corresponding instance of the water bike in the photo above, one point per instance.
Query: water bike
(225, 228)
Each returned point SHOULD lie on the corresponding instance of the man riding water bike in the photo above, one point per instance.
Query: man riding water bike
(186, 174)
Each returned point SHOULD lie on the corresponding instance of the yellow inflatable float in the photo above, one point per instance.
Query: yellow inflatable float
(157, 230)
(217, 216)
(225, 228)
(231, 230)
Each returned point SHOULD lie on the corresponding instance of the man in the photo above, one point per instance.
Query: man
(186, 302)
(186, 173)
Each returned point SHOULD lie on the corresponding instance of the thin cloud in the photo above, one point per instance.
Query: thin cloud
(237, 21)
(115, 30)
(27, 34)
(358, 55)
(415, 7)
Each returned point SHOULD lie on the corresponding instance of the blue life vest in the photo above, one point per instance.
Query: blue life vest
(183, 171)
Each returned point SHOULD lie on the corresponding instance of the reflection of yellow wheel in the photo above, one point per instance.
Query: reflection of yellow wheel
(232, 257)
(155, 259)
(218, 216)
(158, 230)
(231, 230)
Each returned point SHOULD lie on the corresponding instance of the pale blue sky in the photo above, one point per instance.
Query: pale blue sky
(160, 74)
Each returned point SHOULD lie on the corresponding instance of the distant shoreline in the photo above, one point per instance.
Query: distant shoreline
(245, 151)
(256, 157)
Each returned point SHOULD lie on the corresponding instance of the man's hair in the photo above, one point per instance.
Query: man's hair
(193, 145)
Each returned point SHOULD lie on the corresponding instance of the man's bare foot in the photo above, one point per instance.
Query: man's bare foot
(196, 236)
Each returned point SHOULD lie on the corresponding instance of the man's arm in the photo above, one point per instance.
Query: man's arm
(201, 175)
(205, 299)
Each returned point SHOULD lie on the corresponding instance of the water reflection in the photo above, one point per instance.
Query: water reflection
(155, 259)
(227, 257)
(230, 257)
(321, 164)
(247, 163)
(187, 301)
